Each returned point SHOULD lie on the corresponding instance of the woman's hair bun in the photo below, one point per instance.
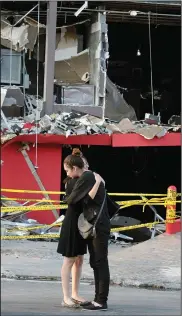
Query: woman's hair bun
(77, 152)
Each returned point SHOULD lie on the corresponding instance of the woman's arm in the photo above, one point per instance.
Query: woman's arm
(96, 186)
(82, 187)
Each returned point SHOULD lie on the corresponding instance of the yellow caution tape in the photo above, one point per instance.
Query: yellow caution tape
(32, 208)
(136, 194)
(122, 204)
(149, 225)
(10, 229)
(134, 227)
(112, 230)
(30, 237)
(140, 194)
(46, 208)
(60, 192)
(31, 191)
(29, 200)
(117, 229)
(55, 201)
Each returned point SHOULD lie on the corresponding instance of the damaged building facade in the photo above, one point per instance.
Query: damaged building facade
(103, 77)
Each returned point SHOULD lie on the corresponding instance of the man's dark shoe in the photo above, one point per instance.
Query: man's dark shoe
(95, 307)
(83, 304)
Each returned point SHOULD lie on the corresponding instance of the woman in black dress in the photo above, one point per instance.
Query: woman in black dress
(89, 189)
(71, 245)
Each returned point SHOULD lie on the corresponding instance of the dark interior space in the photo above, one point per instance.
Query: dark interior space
(129, 66)
(134, 170)
(144, 169)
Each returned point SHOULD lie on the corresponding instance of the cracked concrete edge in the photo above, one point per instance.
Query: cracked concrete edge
(122, 283)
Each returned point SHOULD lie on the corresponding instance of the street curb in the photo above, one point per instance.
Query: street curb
(91, 282)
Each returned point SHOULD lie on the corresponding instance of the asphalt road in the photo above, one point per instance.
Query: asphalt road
(35, 298)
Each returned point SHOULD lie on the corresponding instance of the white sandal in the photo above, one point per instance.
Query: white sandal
(69, 305)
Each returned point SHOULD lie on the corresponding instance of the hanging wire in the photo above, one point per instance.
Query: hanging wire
(11, 55)
(151, 72)
(38, 48)
(156, 15)
(105, 73)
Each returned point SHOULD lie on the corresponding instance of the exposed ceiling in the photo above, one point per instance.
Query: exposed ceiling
(161, 12)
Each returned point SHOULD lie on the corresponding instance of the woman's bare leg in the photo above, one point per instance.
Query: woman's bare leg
(65, 277)
(76, 275)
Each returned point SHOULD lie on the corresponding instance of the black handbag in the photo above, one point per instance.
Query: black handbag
(86, 229)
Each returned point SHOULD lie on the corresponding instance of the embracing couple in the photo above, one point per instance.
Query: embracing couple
(85, 193)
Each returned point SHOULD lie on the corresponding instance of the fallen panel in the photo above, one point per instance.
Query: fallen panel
(73, 70)
(116, 107)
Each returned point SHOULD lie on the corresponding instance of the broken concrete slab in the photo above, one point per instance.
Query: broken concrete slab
(149, 132)
(125, 125)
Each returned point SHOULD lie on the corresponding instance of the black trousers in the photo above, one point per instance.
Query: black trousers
(98, 249)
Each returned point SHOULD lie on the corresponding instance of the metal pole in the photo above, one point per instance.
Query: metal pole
(151, 68)
(22, 18)
(50, 57)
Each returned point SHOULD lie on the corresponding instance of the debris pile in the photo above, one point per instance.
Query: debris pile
(18, 224)
(75, 123)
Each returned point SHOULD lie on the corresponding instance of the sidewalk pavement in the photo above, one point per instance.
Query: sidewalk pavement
(152, 264)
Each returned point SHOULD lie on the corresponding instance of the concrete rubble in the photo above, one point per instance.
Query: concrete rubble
(22, 114)
(73, 123)
(18, 224)
(21, 226)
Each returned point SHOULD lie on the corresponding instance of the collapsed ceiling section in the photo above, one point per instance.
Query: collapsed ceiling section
(79, 51)
(21, 37)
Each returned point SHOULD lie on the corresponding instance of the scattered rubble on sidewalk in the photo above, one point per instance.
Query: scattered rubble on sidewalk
(22, 226)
